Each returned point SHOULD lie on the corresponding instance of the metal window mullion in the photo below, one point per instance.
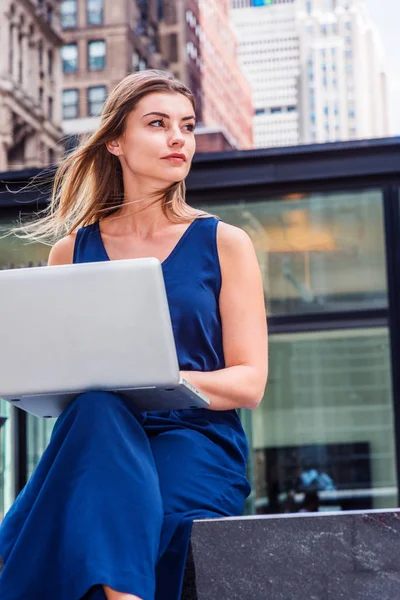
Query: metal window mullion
(392, 247)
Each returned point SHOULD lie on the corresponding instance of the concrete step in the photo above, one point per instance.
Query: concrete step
(351, 555)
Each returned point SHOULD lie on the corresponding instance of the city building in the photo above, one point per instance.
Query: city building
(344, 82)
(269, 56)
(198, 41)
(104, 41)
(325, 223)
(316, 67)
(30, 84)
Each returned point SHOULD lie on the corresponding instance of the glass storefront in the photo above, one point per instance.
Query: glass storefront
(6, 458)
(319, 252)
(39, 432)
(323, 437)
(16, 253)
(324, 433)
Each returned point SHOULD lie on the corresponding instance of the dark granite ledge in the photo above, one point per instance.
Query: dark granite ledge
(312, 556)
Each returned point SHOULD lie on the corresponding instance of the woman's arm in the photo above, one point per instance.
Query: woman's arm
(244, 327)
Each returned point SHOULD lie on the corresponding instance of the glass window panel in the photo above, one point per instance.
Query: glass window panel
(70, 104)
(96, 98)
(69, 56)
(323, 435)
(95, 12)
(6, 470)
(39, 432)
(96, 55)
(16, 253)
(318, 252)
(68, 13)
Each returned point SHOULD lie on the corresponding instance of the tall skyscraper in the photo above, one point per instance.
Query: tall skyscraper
(316, 67)
(269, 56)
(344, 82)
(30, 84)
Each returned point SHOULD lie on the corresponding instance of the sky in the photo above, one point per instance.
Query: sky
(386, 16)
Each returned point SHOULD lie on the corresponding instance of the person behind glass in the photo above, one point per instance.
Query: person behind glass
(108, 511)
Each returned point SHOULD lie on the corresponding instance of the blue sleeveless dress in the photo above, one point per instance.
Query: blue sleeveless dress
(115, 493)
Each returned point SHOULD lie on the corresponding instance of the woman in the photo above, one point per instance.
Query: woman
(108, 510)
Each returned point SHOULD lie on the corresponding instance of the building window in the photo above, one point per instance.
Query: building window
(173, 47)
(138, 63)
(40, 52)
(95, 12)
(69, 14)
(50, 62)
(96, 55)
(50, 108)
(96, 98)
(69, 56)
(70, 104)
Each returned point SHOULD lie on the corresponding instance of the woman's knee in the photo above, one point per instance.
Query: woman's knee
(96, 404)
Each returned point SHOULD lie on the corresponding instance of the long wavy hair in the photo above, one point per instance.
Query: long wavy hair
(88, 183)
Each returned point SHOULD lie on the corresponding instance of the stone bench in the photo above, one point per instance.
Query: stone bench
(351, 555)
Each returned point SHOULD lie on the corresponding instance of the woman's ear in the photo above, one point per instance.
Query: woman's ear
(114, 147)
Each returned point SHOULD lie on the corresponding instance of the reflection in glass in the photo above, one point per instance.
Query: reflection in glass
(317, 253)
(39, 432)
(323, 436)
(15, 252)
(6, 483)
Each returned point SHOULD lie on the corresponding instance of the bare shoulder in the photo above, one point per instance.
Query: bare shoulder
(233, 242)
(62, 253)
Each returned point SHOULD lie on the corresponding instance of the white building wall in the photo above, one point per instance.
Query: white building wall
(343, 88)
(269, 56)
(317, 70)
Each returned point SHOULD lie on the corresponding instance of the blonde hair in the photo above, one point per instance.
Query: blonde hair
(88, 183)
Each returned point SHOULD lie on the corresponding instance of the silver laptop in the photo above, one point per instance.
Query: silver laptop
(94, 326)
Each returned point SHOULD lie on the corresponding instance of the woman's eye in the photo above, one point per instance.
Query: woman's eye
(157, 121)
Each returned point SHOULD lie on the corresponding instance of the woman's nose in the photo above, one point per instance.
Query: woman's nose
(177, 137)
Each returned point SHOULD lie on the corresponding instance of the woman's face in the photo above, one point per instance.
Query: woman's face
(161, 124)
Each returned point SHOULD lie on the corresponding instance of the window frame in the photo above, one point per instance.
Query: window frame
(63, 61)
(89, 58)
(90, 11)
(89, 89)
(74, 13)
(64, 118)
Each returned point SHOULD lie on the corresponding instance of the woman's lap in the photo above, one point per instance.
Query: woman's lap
(187, 481)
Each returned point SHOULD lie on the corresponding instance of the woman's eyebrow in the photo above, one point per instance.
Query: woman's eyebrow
(160, 114)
